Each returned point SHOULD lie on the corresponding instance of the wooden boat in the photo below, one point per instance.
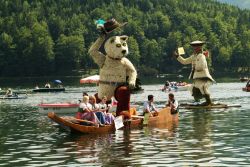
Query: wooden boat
(74, 125)
(246, 89)
(58, 107)
(243, 79)
(49, 90)
(13, 97)
(199, 106)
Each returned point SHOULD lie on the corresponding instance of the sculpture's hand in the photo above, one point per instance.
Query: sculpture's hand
(131, 85)
(175, 54)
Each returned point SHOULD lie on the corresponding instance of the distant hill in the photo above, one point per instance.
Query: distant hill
(45, 37)
(240, 3)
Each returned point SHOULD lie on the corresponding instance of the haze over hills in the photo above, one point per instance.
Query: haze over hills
(240, 3)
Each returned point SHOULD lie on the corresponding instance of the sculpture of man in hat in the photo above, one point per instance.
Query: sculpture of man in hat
(200, 73)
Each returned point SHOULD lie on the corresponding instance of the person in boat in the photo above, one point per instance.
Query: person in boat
(47, 85)
(104, 108)
(200, 73)
(166, 86)
(96, 109)
(149, 107)
(86, 113)
(172, 103)
(36, 87)
(9, 93)
(248, 84)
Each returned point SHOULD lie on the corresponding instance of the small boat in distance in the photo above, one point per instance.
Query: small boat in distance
(58, 108)
(49, 90)
(13, 97)
(243, 79)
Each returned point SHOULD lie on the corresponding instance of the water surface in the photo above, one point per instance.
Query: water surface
(217, 137)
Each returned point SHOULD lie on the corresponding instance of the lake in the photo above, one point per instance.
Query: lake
(218, 137)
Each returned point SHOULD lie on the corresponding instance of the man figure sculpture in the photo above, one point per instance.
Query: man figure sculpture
(200, 74)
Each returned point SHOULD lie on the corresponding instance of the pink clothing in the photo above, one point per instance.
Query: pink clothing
(86, 115)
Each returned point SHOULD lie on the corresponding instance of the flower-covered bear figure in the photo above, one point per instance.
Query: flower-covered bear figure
(114, 69)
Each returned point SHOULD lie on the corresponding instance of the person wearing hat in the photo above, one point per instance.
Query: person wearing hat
(149, 107)
(200, 73)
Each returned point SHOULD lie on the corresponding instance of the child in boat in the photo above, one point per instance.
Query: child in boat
(172, 103)
(104, 108)
(96, 109)
(86, 113)
(149, 106)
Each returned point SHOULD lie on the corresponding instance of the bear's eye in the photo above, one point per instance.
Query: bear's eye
(118, 45)
(124, 44)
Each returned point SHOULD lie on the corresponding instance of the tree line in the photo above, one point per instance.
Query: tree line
(47, 37)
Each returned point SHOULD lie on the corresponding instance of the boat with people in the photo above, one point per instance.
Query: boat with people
(58, 87)
(176, 86)
(13, 97)
(74, 125)
(243, 79)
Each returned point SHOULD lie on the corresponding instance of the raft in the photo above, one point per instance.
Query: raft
(74, 125)
(199, 106)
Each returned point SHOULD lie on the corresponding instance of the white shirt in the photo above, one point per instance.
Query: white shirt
(85, 106)
(149, 106)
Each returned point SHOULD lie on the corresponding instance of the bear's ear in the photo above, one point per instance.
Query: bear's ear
(112, 39)
(124, 38)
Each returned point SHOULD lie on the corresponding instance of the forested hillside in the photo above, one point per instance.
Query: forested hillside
(48, 37)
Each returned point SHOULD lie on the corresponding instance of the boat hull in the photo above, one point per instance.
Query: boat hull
(193, 106)
(13, 97)
(59, 108)
(163, 117)
(49, 90)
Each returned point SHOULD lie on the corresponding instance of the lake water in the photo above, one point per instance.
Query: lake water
(218, 137)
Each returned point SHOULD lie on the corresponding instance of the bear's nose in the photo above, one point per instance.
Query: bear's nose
(124, 52)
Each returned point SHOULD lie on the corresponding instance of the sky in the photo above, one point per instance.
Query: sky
(245, 4)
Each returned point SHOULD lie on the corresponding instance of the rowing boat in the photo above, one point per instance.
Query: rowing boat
(214, 106)
(49, 90)
(61, 108)
(13, 97)
(74, 125)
